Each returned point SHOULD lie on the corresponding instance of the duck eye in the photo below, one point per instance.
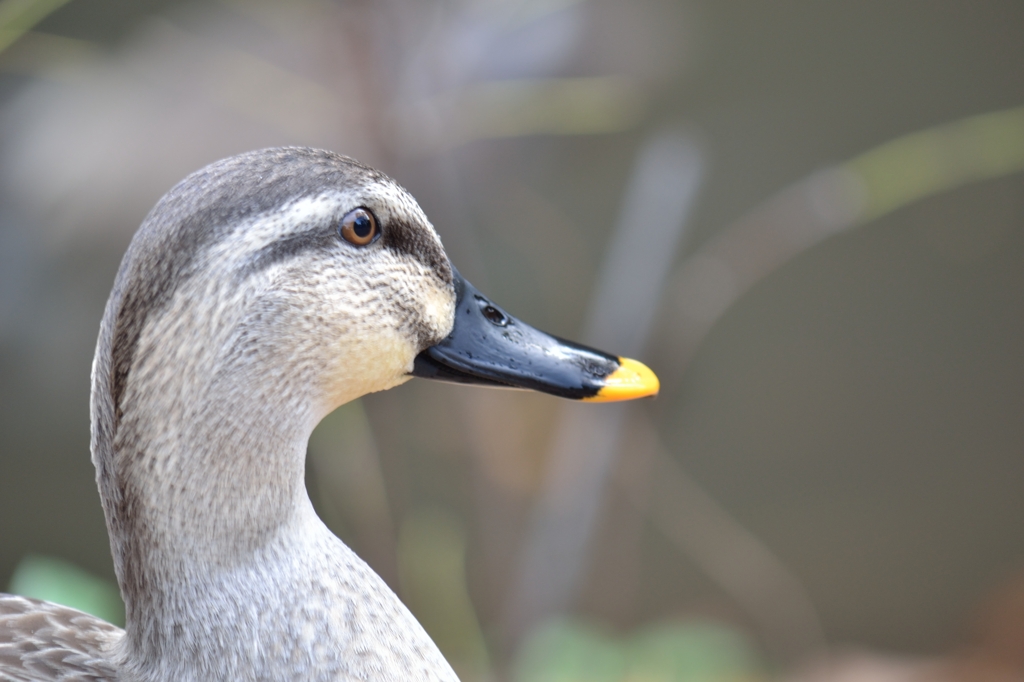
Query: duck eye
(359, 227)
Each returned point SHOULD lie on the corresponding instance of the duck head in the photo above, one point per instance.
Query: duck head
(328, 271)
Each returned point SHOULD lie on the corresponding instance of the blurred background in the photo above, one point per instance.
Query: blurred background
(807, 218)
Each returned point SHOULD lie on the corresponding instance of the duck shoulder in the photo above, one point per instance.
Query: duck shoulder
(41, 641)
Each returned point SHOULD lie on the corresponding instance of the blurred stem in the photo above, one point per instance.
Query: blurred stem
(841, 197)
(553, 561)
(743, 566)
(17, 17)
(920, 164)
(432, 575)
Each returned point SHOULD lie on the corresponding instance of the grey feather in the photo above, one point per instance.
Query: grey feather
(43, 641)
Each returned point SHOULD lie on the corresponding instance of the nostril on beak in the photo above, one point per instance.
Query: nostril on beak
(495, 316)
(489, 311)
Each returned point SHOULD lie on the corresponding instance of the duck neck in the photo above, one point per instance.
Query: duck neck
(217, 489)
(203, 480)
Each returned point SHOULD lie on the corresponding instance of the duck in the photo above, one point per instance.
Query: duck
(258, 295)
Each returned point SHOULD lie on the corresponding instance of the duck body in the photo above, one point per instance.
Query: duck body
(259, 294)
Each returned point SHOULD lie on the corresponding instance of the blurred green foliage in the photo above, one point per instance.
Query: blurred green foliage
(668, 652)
(61, 582)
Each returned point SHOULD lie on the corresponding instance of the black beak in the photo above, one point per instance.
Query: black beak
(489, 347)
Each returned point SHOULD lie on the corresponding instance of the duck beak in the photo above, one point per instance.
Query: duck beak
(489, 347)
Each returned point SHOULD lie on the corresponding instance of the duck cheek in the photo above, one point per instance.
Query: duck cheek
(438, 313)
(367, 363)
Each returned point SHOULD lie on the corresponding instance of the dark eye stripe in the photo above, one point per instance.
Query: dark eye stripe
(289, 247)
(414, 241)
(396, 236)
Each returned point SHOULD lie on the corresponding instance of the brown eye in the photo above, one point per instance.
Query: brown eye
(359, 227)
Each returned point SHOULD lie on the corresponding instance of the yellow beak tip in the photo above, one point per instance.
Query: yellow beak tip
(631, 380)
